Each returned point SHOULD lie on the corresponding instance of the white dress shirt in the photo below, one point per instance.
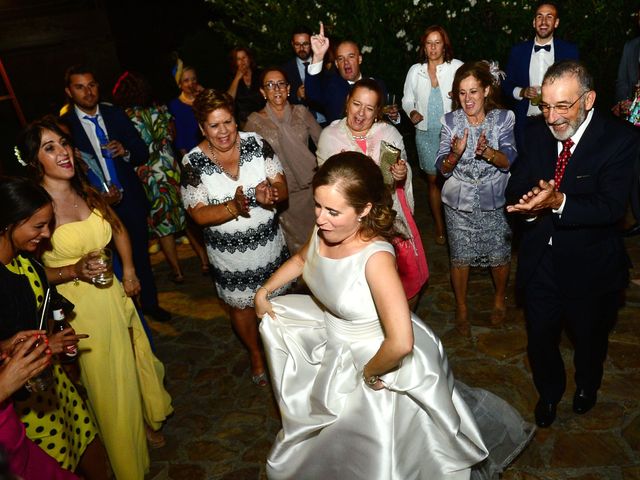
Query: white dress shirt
(90, 130)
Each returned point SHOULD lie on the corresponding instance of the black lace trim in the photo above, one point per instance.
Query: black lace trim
(249, 239)
(190, 176)
(199, 164)
(248, 279)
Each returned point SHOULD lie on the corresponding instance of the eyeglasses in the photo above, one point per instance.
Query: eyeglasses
(301, 44)
(281, 85)
(561, 109)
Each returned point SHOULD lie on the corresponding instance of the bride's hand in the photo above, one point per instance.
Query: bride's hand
(262, 304)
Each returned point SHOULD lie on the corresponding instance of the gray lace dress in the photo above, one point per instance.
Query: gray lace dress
(473, 193)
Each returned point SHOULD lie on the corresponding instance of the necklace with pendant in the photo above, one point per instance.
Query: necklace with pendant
(215, 160)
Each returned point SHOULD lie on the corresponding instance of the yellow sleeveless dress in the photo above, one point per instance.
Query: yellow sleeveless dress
(124, 384)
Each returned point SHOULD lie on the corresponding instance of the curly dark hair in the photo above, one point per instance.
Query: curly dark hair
(360, 181)
(29, 146)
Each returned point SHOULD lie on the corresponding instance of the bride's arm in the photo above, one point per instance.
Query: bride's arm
(288, 271)
(393, 309)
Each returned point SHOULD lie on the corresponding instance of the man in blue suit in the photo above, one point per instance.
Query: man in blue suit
(572, 181)
(111, 146)
(330, 88)
(528, 62)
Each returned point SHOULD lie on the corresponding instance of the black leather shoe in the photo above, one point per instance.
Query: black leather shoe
(158, 313)
(583, 401)
(545, 413)
(632, 230)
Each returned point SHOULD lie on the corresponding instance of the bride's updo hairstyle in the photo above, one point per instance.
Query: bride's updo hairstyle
(360, 181)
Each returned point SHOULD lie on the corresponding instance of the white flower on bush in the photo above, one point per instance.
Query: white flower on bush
(416, 2)
(409, 46)
(366, 49)
(473, 2)
(263, 28)
(506, 29)
(401, 34)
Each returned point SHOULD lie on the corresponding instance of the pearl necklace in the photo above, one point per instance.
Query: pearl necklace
(215, 160)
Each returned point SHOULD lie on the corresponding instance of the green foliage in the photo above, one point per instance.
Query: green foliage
(389, 31)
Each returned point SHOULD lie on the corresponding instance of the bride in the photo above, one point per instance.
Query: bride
(364, 387)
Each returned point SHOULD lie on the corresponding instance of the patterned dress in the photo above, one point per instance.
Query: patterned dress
(473, 194)
(57, 420)
(244, 252)
(160, 175)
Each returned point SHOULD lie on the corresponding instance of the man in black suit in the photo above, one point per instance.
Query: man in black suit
(296, 70)
(111, 145)
(572, 181)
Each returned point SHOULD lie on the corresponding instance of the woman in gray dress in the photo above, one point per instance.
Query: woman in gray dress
(477, 148)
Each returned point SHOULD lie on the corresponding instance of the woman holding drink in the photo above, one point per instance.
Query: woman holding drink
(122, 377)
(52, 410)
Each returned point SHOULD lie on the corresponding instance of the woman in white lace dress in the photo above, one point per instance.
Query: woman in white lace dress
(231, 183)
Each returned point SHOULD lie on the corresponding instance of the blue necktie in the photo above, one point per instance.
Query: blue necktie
(106, 153)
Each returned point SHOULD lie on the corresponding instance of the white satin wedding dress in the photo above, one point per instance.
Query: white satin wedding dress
(422, 426)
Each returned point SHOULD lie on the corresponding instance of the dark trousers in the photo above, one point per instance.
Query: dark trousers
(133, 213)
(587, 320)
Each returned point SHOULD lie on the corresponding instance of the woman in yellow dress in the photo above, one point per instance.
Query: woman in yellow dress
(123, 379)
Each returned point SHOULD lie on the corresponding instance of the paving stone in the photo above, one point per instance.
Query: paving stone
(503, 344)
(631, 433)
(575, 449)
(631, 473)
(187, 471)
(624, 355)
(209, 451)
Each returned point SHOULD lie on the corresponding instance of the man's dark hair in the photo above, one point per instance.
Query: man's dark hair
(77, 69)
(555, 5)
(300, 29)
(571, 68)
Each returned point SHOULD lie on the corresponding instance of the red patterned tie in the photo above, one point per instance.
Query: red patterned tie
(563, 159)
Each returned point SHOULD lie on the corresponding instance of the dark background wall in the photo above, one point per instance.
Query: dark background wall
(39, 39)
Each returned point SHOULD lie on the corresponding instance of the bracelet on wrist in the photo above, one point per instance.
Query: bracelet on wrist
(234, 215)
(492, 157)
(265, 289)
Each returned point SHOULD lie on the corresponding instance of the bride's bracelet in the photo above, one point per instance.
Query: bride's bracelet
(265, 289)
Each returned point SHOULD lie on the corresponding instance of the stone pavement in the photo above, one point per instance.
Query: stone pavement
(223, 425)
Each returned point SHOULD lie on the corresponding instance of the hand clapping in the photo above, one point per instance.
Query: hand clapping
(266, 195)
